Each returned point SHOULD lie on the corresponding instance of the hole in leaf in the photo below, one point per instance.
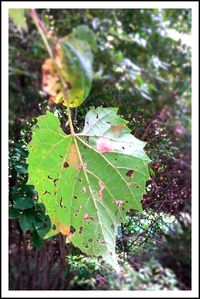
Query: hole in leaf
(61, 205)
(75, 196)
(65, 165)
(72, 229)
(80, 230)
(55, 181)
(130, 173)
(46, 192)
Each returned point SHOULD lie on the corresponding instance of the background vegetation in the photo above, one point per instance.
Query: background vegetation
(144, 70)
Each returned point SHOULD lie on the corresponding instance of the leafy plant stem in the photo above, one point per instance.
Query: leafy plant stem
(43, 33)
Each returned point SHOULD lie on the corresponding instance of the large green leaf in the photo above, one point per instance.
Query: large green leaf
(88, 181)
(74, 57)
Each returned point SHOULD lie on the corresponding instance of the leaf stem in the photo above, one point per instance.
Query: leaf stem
(43, 34)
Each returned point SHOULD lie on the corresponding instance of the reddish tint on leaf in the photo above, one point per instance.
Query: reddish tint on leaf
(119, 203)
(80, 166)
(84, 189)
(102, 187)
(86, 216)
(104, 145)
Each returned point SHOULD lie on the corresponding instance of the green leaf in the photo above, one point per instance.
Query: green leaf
(21, 168)
(18, 17)
(36, 240)
(24, 203)
(84, 33)
(74, 56)
(88, 181)
(13, 213)
(24, 223)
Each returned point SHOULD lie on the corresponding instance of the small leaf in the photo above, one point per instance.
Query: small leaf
(21, 168)
(13, 213)
(18, 17)
(36, 240)
(24, 223)
(24, 203)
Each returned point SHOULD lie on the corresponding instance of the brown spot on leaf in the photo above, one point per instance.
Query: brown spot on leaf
(73, 158)
(116, 130)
